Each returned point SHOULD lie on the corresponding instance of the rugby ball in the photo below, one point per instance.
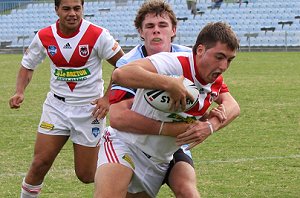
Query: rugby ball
(160, 99)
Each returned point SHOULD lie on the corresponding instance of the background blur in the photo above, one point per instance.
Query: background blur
(261, 25)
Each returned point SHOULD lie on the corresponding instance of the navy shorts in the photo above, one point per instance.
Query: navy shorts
(178, 156)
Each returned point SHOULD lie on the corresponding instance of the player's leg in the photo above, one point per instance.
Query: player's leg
(85, 159)
(112, 180)
(85, 134)
(45, 151)
(181, 176)
(182, 180)
(114, 167)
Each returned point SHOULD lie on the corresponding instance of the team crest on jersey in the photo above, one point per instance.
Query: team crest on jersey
(52, 50)
(179, 118)
(84, 50)
(95, 131)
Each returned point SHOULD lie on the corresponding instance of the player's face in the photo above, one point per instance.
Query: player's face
(70, 14)
(157, 32)
(211, 63)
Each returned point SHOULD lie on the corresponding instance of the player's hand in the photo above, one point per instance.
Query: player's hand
(196, 133)
(178, 94)
(219, 112)
(102, 107)
(15, 101)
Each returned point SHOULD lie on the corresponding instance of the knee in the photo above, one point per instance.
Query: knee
(187, 190)
(86, 177)
(40, 165)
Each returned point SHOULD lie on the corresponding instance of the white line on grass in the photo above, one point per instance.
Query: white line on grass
(248, 159)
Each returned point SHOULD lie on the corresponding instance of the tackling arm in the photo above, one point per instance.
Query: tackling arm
(218, 117)
(142, 74)
(121, 118)
(231, 109)
(113, 60)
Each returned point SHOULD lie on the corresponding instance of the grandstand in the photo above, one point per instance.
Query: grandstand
(259, 24)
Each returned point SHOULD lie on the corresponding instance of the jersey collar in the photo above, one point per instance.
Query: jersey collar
(144, 51)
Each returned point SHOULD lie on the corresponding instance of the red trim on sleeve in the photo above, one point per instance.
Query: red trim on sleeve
(224, 88)
(118, 95)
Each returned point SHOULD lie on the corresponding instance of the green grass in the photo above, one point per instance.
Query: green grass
(258, 155)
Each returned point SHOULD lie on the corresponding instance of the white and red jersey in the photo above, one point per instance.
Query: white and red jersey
(118, 92)
(176, 63)
(76, 60)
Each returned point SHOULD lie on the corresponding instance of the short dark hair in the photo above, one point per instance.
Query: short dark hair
(158, 7)
(216, 32)
(57, 3)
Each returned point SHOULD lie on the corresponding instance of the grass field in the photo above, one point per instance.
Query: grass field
(258, 155)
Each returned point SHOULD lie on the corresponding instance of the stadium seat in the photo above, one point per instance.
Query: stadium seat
(243, 19)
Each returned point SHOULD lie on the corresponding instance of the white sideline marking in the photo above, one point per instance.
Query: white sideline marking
(248, 159)
(72, 172)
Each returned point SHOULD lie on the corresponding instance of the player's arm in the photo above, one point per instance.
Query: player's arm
(138, 74)
(113, 60)
(230, 107)
(121, 118)
(23, 79)
(102, 104)
(143, 74)
(200, 130)
(124, 119)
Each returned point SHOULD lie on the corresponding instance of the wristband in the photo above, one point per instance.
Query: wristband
(161, 127)
(210, 127)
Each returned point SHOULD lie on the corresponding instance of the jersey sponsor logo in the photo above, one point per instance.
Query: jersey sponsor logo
(179, 118)
(95, 131)
(52, 50)
(72, 74)
(84, 50)
(67, 46)
(128, 159)
(46, 125)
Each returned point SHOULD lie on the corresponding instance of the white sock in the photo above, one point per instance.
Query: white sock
(30, 191)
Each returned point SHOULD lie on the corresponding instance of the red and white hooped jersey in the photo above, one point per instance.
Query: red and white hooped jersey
(75, 61)
(175, 63)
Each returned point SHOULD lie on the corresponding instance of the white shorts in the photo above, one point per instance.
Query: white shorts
(148, 172)
(61, 118)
